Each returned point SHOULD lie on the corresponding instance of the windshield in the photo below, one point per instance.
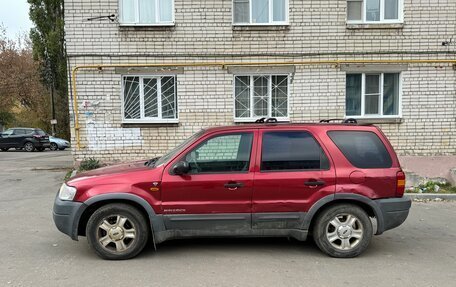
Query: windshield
(177, 149)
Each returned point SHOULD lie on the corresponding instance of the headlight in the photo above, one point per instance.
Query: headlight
(67, 192)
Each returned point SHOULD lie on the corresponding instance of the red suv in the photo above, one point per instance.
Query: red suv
(327, 180)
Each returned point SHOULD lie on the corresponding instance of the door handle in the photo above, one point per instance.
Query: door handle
(314, 183)
(233, 185)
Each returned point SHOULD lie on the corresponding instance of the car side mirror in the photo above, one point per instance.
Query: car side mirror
(181, 168)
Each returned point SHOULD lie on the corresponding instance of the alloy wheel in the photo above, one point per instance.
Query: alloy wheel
(116, 233)
(344, 232)
(29, 147)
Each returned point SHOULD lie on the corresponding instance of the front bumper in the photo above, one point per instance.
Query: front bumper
(66, 216)
(394, 212)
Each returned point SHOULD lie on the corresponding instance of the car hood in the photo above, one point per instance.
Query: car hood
(129, 167)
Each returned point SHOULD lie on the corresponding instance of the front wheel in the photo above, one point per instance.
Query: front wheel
(117, 231)
(343, 231)
(29, 147)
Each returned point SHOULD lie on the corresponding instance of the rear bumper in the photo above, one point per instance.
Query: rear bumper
(66, 216)
(394, 212)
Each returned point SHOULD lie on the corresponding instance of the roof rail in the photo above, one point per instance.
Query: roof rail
(344, 121)
(267, 121)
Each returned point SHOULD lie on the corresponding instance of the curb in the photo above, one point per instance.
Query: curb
(431, 196)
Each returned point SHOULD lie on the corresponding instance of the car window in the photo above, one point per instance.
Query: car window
(30, 131)
(362, 148)
(8, 132)
(291, 150)
(19, 132)
(224, 153)
(40, 132)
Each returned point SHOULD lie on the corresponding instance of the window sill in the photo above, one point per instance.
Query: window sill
(262, 27)
(147, 27)
(378, 120)
(150, 124)
(367, 26)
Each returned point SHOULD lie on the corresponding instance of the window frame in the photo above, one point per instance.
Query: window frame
(149, 120)
(137, 13)
(198, 144)
(400, 14)
(270, 22)
(363, 96)
(322, 148)
(251, 118)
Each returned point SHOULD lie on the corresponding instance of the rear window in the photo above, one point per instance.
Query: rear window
(291, 151)
(363, 149)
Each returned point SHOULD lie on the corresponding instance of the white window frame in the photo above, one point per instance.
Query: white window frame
(271, 21)
(157, 15)
(252, 118)
(144, 119)
(363, 97)
(382, 20)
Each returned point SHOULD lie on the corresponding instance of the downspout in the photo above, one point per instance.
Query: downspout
(226, 64)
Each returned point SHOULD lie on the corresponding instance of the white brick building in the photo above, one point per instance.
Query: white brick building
(136, 112)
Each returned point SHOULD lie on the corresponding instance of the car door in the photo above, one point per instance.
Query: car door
(216, 194)
(294, 171)
(18, 137)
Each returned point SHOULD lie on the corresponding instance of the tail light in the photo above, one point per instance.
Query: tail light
(400, 183)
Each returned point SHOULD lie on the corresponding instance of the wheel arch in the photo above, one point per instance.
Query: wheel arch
(92, 204)
(367, 204)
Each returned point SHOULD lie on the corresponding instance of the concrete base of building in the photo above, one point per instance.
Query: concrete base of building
(420, 169)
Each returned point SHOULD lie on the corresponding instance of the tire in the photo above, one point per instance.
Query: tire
(4, 149)
(29, 147)
(103, 227)
(343, 231)
(54, 147)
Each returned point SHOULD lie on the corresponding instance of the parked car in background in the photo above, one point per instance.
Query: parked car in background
(29, 139)
(58, 143)
(291, 180)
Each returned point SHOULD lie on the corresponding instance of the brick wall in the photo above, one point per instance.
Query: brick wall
(203, 32)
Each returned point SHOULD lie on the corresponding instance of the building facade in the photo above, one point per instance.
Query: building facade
(149, 73)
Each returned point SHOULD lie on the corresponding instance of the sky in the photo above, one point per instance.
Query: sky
(14, 17)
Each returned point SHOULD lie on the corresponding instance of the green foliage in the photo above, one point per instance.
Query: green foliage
(89, 164)
(49, 49)
(6, 117)
(433, 187)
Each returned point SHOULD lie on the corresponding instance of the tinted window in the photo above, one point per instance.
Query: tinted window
(19, 132)
(291, 151)
(225, 153)
(362, 149)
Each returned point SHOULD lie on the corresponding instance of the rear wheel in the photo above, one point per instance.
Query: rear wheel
(117, 231)
(54, 147)
(29, 147)
(5, 149)
(343, 231)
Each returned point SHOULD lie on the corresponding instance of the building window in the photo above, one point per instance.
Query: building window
(261, 96)
(374, 11)
(260, 12)
(149, 99)
(373, 95)
(147, 12)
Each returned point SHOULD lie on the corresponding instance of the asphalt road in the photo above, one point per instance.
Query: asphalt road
(422, 252)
